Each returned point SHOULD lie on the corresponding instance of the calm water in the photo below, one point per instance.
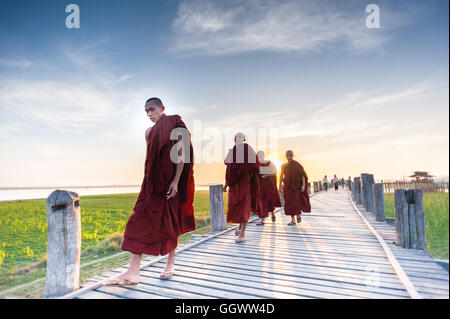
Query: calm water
(15, 194)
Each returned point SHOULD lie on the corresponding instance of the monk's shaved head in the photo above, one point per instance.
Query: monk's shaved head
(239, 138)
(154, 101)
(289, 152)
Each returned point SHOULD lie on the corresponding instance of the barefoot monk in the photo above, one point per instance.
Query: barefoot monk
(294, 186)
(243, 182)
(163, 210)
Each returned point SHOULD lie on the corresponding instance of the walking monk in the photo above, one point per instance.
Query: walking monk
(163, 210)
(243, 181)
(294, 186)
(268, 185)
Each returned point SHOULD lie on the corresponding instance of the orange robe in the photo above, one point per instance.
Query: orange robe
(295, 201)
(243, 181)
(155, 224)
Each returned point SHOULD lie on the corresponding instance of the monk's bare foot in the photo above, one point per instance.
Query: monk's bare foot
(240, 239)
(273, 217)
(291, 223)
(299, 219)
(127, 277)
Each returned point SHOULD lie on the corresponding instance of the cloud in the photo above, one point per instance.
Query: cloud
(91, 99)
(230, 27)
(15, 63)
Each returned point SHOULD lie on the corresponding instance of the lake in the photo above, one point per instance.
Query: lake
(35, 193)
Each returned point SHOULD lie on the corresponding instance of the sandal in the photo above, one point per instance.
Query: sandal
(240, 240)
(166, 275)
(273, 218)
(291, 223)
(259, 223)
(299, 219)
(237, 232)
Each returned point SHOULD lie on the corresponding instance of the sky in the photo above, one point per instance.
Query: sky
(309, 76)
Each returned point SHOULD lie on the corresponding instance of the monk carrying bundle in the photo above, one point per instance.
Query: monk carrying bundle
(268, 184)
(164, 208)
(294, 186)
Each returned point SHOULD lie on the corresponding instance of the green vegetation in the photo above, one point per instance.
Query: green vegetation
(23, 232)
(436, 207)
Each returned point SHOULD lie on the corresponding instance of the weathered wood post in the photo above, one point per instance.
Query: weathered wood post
(320, 186)
(358, 190)
(410, 219)
(367, 191)
(401, 217)
(378, 195)
(316, 187)
(309, 188)
(63, 243)
(218, 222)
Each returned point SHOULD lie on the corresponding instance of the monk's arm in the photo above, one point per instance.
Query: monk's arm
(173, 189)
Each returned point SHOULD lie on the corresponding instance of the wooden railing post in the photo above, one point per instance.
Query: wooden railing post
(378, 195)
(309, 187)
(216, 205)
(358, 190)
(410, 219)
(320, 186)
(367, 191)
(63, 243)
(316, 187)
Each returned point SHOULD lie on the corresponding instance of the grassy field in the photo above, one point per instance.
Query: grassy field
(23, 232)
(436, 207)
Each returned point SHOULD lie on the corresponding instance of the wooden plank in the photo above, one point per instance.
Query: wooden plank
(286, 280)
(97, 295)
(231, 287)
(327, 255)
(148, 291)
(310, 260)
(174, 284)
(294, 270)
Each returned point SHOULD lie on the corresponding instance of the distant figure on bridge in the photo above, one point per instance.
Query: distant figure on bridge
(342, 183)
(349, 183)
(325, 183)
(294, 186)
(336, 182)
(163, 210)
(242, 179)
(268, 184)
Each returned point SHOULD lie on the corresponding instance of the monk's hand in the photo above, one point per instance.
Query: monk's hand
(281, 188)
(225, 188)
(173, 190)
(302, 189)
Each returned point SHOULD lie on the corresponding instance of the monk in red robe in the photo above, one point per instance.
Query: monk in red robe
(268, 185)
(294, 186)
(164, 208)
(243, 182)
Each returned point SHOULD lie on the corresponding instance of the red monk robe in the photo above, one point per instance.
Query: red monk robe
(243, 181)
(156, 222)
(295, 201)
(269, 192)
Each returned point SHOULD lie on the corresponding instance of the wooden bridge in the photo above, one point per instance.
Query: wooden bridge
(338, 251)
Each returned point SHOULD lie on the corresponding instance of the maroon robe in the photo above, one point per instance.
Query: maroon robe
(295, 201)
(242, 178)
(156, 222)
(269, 193)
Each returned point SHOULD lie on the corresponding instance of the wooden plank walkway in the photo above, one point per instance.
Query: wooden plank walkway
(331, 254)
